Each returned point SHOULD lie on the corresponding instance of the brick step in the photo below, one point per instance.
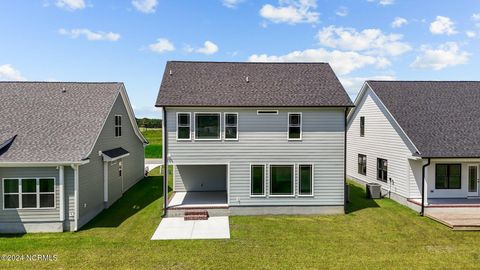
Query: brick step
(196, 212)
(195, 217)
(200, 214)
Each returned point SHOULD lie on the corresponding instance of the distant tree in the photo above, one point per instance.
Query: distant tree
(147, 123)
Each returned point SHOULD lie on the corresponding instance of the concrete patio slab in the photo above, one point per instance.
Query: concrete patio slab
(175, 228)
(458, 218)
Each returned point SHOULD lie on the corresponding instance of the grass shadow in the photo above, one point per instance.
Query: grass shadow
(358, 199)
(134, 200)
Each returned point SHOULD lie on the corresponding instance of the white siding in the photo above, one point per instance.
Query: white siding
(382, 140)
(263, 139)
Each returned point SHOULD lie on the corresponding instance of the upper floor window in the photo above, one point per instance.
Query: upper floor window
(382, 169)
(207, 126)
(24, 193)
(362, 164)
(231, 126)
(183, 126)
(362, 126)
(118, 125)
(448, 176)
(294, 126)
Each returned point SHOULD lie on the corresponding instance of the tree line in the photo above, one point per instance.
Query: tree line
(149, 123)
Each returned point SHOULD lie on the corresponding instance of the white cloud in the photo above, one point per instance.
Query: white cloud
(291, 12)
(8, 73)
(471, 34)
(373, 41)
(342, 11)
(208, 48)
(90, 35)
(399, 22)
(231, 3)
(354, 84)
(162, 45)
(71, 4)
(445, 55)
(145, 6)
(442, 25)
(383, 2)
(342, 62)
(476, 17)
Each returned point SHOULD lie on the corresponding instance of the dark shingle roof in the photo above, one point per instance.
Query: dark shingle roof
(54, 121)
(116, 152)
(442, 118)
(269, 84)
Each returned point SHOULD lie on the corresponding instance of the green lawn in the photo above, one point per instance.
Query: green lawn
(154, 148)
(373, 235)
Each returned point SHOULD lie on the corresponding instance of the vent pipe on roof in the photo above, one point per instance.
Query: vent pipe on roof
(64, 90)
(170, 72)
(246, 79)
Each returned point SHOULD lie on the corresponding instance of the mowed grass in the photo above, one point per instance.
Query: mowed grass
(377, 234)
(154, 148)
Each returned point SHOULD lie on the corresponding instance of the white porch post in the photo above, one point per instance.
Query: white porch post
(76, 198)
(61, 186)
(105, 183)
(425, 194)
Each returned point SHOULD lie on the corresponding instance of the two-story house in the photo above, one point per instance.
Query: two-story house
(254, 138)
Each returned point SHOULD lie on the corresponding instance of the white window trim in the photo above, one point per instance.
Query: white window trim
(301, 127)
(264, 180)
(195, 126)
(225, 126)
(20, 203)
(115, 126)
(273, 112)
(270, 180)
(312, 180)
(189, 126)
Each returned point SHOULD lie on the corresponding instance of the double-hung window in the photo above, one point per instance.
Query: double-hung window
(382, 169)
(118, 125)
(231, 126)
(282, 180)
(448, 176)
(257, 180)
(183, 126)
(362, 164)
(28, 193)
(207, 126)
(305, 183)
(294, 126)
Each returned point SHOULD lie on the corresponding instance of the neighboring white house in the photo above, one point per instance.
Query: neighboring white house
(254, 138)
(67, 151)
(399, 127)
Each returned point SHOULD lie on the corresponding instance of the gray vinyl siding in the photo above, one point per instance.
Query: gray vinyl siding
(91, 200)
(382, 140)
(30, 215)
(263, 140)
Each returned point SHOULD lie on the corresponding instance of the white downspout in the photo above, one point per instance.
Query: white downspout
(105, 183)
(75, 177)
(61, 177)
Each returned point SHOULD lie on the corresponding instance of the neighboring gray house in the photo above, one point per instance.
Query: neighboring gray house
(400, 127)
(254, 138)
(67, 151)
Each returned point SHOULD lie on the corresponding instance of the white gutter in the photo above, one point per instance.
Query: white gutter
(42, 164)
(75, 177)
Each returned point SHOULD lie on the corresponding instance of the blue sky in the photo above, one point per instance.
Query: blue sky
(130, 41)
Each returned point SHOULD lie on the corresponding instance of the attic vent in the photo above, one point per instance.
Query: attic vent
(267, 112)
(246, 79)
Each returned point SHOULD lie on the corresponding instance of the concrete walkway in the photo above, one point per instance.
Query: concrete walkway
(175, 228)
(152, 163)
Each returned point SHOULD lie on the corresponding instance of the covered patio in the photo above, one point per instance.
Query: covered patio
(199, 199)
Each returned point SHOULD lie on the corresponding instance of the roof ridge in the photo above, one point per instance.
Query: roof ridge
(67, 82)
(419, 81)
(240, 62)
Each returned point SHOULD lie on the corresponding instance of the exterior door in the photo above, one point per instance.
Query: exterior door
(473, 179)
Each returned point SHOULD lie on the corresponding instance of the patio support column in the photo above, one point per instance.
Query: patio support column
(165, 160)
